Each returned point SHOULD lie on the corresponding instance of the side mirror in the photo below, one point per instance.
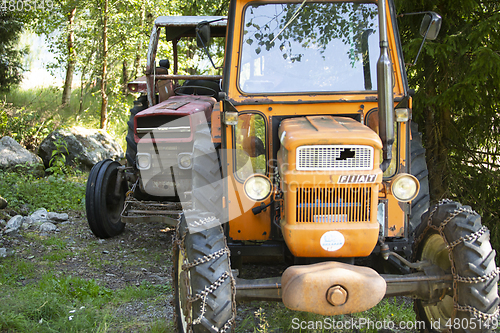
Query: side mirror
(203, 34)
(431, 24)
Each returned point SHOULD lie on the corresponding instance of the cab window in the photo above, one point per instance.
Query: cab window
(250, 144)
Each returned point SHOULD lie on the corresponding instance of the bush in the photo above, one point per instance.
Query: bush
(27, 127)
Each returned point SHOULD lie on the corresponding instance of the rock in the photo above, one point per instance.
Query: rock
(14, 224)
(11, 232)
(14, 157)
(47, 227)
(85, 147)
(3, 203)
(58, 217)
(3, 223)
(27, 222)
(40, 216)
(3, 252)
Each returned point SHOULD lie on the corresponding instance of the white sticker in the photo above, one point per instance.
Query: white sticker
(332, 241)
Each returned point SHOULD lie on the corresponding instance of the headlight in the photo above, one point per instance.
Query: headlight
(257, 187)
(184, 160)
(405, 187)
(143, 161)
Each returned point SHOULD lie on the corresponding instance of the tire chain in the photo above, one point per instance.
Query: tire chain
(201, 222)
(206, 258)
(229, 325)
(456, 278)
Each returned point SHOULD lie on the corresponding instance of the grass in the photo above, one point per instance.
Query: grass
(26, 192)
(53, 305)
(274, 317)
(55, 302)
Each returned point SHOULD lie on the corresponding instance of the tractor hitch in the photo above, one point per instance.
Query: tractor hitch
(333, 288)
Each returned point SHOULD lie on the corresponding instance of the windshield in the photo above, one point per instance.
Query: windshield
(309, 47)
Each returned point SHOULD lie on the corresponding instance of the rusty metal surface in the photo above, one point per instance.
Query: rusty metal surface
(170, 221)
(305, 288)
(430, 287)
(341, 288)
(136, 211)
(268, 289)
(336, 295)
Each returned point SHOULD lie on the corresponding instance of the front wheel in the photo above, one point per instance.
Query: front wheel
(452, 237)
(204, 288)
(104, 201)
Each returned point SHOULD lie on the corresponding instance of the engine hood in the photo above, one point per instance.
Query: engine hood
(326, 130)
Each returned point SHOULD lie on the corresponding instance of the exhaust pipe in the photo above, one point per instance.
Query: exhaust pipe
(385, 92)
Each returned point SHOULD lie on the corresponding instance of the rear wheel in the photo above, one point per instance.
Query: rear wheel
(103, 204)
(452, 237)
(418, 168)
(139, 105)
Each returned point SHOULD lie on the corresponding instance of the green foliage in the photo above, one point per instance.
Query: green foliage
(10, 58)
(457, 80)
(53, 193)
(57, 163)
(27, 127)
(30, 115)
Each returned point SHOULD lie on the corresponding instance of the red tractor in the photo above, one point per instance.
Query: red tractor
(164, 118)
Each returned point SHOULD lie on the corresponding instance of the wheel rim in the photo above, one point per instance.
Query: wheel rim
(114, 204)
(181, 287)
(434, 249)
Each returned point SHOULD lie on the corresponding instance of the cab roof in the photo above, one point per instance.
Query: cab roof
(185, 26)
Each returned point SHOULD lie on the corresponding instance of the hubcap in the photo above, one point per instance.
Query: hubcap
(182, 279)
(434, 249)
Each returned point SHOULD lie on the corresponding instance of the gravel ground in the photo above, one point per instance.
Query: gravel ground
(140, 255)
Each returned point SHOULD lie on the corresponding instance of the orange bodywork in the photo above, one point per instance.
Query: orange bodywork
(318, 202)
(303, 238)
(305, 287)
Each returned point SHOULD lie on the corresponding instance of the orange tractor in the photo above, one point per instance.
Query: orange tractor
(304, 149)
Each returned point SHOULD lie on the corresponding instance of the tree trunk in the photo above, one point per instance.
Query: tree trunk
(82, 87)
(138, 51)
(124, 77)
(70, 69)
(104, 103)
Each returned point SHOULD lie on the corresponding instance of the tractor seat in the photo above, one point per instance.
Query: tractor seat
(192, 87)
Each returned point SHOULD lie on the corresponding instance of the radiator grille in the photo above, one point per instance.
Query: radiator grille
(335, 157)
(164, 126)
(334, 204)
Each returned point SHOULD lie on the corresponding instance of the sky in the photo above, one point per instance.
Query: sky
(36, 63)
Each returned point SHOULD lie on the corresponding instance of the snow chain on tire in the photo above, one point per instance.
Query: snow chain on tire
(179, 245)
(433, 222)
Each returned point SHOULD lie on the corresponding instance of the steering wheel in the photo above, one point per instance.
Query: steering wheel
(178, 92)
